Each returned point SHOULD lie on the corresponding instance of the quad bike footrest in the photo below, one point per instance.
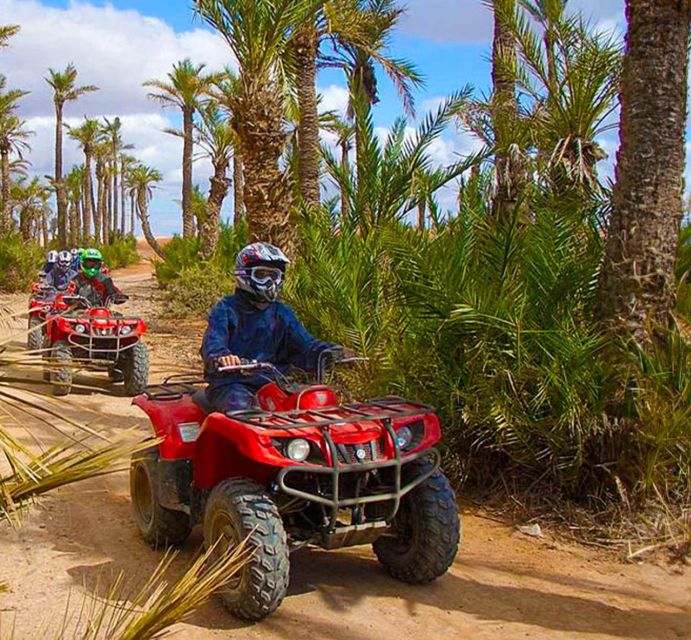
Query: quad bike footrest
(353, 535)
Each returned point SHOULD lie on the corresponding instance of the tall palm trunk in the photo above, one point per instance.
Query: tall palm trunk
(305, 46)
(142, 210)
(132, 213)
(123, 200)
(86, 218)
(188, 229)
(75, 231)
(115, 194)
(267, 196)
(504, 109)
(89, 198)
(44, 228)
(637, 279)
(6, 213)
(61, 191)
(210, 225)
(238, 189)
(102, 229)
(25, 223)
(107, 209)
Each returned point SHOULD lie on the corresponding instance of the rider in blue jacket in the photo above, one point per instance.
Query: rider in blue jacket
(253, 325)
(60, 277)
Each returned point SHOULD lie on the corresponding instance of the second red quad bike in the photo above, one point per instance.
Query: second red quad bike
(303, 468)
(81, 336)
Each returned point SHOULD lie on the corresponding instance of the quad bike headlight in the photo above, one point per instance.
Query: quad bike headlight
(298, 450)
(404, 436)
(80, 328)
(125, 330)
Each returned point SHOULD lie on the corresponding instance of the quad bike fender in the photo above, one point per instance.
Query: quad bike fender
(178, 422)
(231, 449)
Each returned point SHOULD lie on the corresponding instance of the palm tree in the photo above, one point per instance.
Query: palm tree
(351, 34)
(73, 184)
(504, 108)
(259, 33)
(142, 180)
(637, 283)
(184, 88)
(88, 135)
(31, 198)
(344, 131)
(126, 163)
(101, 153)
(6, 32)
(65, 90)
(217, 138)
(112, 130)
(13, 137)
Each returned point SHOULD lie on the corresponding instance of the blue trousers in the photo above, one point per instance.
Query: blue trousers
(232, 397)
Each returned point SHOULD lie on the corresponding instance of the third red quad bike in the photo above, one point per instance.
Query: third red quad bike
(40, 304)
(79, 335)
(302, 469)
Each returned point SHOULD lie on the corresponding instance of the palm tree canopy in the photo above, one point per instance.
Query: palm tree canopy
(184, 87)
(142, 179)
(64, 85)
(13, 135)
(9, 97)
(6, 32)
(88, 134)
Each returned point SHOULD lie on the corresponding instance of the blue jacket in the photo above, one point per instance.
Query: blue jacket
(274, 335)
(60, 279)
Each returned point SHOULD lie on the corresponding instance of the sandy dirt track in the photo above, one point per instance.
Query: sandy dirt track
(502, 585)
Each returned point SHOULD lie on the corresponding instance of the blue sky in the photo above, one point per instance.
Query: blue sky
(118, 44)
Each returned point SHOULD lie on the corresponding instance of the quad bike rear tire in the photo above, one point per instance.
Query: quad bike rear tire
(134, 364)
(239, 509)
(61, 368)
(34, 339)
(427, 530)
(158, 525)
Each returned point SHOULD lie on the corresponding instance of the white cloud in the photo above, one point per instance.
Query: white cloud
(114, 49)
(470, 21)
(334, 98)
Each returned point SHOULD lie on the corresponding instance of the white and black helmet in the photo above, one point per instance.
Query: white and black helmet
(64, 261)
(259, 270)
(52, 257)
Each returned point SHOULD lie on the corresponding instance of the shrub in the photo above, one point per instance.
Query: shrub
(121, 253)
(197, 289)
(19, 263)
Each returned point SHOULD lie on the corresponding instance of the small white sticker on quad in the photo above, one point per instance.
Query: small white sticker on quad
(189, 431)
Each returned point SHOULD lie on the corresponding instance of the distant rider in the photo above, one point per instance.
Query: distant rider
(60, 277)
(93, 285)
(76, 258)
(253, 325)
(49, 264)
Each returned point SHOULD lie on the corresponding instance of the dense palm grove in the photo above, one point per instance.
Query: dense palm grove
(545, 315)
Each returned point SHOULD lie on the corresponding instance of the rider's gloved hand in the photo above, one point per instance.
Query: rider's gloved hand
(230, 360)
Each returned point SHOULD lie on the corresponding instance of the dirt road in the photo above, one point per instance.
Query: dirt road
(502, 585)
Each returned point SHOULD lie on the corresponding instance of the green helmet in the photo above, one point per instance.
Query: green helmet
(91, 262)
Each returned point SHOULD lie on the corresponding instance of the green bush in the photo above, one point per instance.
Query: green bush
(197, 289)
(182, 253)
(121, 253)
(491, 322)
(19, 263)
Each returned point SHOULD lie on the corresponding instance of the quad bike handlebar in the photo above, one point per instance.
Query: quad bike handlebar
(85, 303)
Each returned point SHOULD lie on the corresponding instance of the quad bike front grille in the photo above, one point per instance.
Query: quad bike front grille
(365, 452)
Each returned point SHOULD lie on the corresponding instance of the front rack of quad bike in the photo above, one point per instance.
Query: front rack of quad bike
(384, 410)
(94, 342)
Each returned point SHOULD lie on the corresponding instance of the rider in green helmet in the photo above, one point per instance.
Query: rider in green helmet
(93, 285)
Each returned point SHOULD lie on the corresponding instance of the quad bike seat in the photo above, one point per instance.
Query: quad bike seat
(199, 398)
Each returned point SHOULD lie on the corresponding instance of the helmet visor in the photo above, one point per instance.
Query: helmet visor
(266, 275)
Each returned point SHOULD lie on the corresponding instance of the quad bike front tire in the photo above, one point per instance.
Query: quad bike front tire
(34, 339)
(61, 368)
(239, 509)
(426, 530)
(158, 525)
(134, 364)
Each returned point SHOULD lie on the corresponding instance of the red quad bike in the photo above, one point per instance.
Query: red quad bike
(79, 335)
(40, 304)
(302, 469)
